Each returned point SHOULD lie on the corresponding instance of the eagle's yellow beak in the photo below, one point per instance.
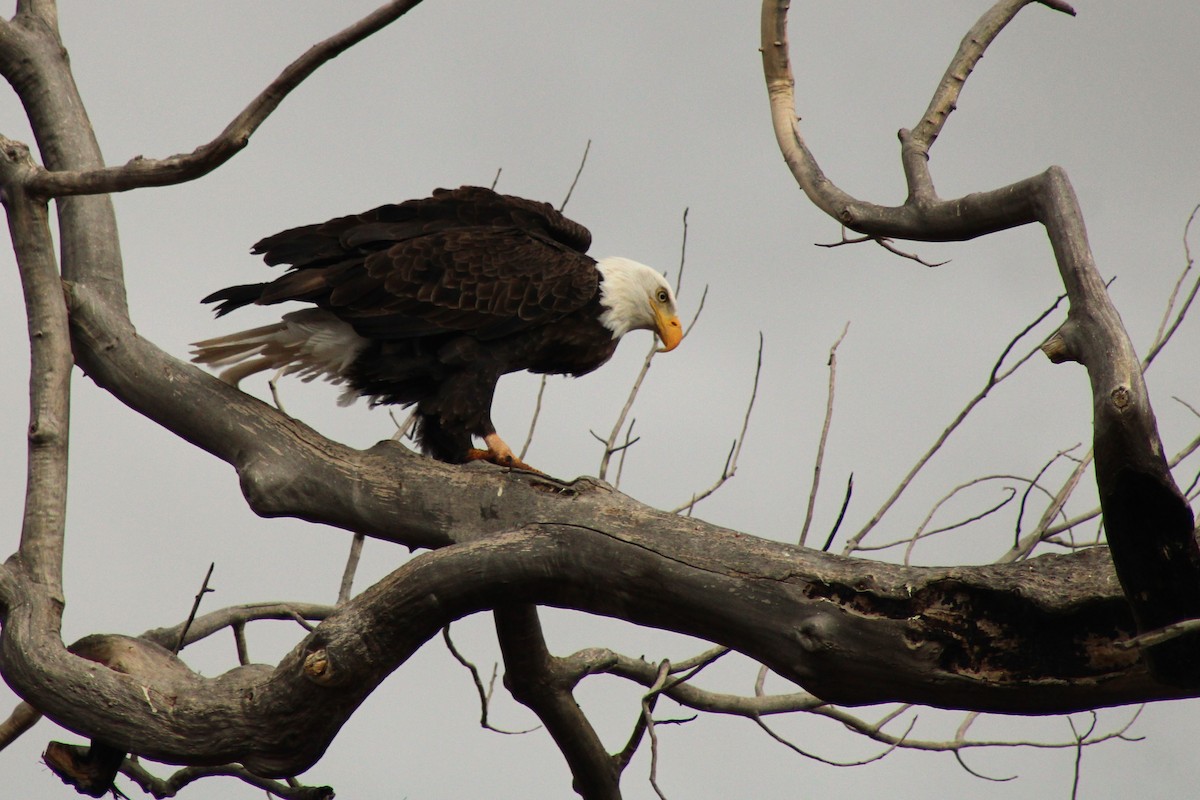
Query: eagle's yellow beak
(670, 332)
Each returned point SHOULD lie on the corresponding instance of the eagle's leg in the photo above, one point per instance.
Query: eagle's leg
(498, 452)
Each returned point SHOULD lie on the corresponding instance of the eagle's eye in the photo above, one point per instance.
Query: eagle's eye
(662, 295)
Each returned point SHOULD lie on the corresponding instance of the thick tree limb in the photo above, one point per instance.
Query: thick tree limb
(537, 681)
(1035, 637)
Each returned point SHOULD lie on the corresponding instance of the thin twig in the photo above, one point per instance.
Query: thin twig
(195, 607)
(735, 450)
(886, 244)
(841, 513)
(995, 377)
(820, 459)
(648, 701)
(1163, 335)
(857, 763)
(1027, 543)
(1079, 751)
(682, 254)
(169, 787)
(485, 694)
(352, 559)
(610, 442)
(1160, 635)
(533, 421)
(630, 439)
(922, 533)
(403, 428)
(575, 180)
(1034, 484)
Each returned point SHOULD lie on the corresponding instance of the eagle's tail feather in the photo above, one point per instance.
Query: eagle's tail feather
(310, 344)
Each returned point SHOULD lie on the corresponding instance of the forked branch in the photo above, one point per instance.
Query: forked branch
(1148, 521)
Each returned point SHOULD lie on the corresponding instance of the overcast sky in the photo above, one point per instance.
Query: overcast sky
(671, 96)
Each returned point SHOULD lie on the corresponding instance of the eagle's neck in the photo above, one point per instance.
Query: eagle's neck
(624, 293)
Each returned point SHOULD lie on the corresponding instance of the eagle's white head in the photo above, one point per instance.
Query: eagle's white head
(635, 297)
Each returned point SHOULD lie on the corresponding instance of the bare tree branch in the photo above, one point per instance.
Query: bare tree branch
(142, 172)
(485, 693)
(170, 787)
(534, 680)
(195, 607)
(346, 588)
(735, 450)
(43, 523)
(1148, 521)
(917, 143)
(208, 624)
(22, 718)
(820, 460)
(995, 378)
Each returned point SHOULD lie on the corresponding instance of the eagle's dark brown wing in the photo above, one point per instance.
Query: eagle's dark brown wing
(465, 260)
(446, 210)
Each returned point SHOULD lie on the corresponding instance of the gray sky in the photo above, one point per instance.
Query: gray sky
(671, 96)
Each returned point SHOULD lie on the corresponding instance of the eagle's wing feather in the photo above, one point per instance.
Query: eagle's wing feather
(448, 209)
(465, 259)
(486, 281)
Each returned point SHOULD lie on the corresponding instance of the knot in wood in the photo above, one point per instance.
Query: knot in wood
(1121, 397)
(813, 635)
(318, 668)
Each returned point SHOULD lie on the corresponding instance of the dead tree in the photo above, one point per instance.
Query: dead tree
(1047, 635)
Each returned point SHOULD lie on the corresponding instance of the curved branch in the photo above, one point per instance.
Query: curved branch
(142, 172)
(234, 616)
(915, 144)
(947, 220)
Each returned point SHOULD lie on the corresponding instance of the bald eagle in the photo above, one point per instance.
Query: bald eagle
(428, 302)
